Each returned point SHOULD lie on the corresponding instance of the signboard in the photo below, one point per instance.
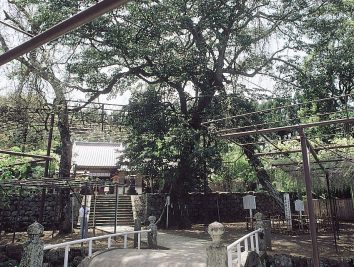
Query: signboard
(299, 205)
(249, 202)
(287, 210)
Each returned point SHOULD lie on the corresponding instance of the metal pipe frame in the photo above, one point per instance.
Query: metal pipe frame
(289, 127)
(61, 28)
(298, 163)
(276, 108)
(299, 150)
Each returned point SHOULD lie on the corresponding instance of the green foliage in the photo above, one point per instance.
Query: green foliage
(235, 175)
(158, 136)
(18, 167)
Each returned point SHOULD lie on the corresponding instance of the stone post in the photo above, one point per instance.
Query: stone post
(216, 252)
(265, 241)
(152, 236)
(137, 227)
(33, 248)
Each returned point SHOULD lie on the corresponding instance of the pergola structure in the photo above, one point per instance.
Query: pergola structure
(264, 133)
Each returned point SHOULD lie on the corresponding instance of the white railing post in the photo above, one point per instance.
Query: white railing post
(246, 244)
(229, 258)
(125, 241)
(252, 241)
(257, 244)
(66, 256)
(90, 248)
(239, 254)
(90, 241)
(253, 236)
(109, 242)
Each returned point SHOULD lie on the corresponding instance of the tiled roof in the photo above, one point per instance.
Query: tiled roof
(95, 154)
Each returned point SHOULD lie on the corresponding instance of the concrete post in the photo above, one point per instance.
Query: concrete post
(137, 227)
(33, 248)
(216, 252)
(152, 236)
(265, 241)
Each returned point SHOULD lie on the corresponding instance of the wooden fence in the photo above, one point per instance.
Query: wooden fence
(344, 207)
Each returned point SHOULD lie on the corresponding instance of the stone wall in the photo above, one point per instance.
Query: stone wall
(206, 208)
(25, 209)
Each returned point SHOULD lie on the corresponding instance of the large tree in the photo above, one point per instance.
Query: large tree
(192, 48)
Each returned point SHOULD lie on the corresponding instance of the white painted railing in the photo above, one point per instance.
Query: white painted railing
(249, 239)
(91, 239)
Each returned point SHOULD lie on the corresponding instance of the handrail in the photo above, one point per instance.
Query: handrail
(90, 239)
(254, 246)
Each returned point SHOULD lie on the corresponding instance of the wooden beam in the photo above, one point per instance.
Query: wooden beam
(290, 127)
(299, 150)
(61, 28)
(20, 154)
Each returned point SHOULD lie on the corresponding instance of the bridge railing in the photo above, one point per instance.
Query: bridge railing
(90, 240)
(249, 242)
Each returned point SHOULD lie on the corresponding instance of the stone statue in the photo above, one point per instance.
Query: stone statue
(33, 248)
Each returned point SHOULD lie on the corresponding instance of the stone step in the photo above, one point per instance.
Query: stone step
(113, 198)
(113, 206)
(111, 202)
(111, 215)
(105, 211)
(112, 221)
(105, 205)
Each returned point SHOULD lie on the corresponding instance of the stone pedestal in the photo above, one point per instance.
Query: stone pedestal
(137, 227)
(216, 252)
(33, 248)
(152, 236)
(265, 241)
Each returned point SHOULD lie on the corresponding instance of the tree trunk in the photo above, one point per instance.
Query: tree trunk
(66, 145)
(65, 165)
(179, 217)
(262, 175)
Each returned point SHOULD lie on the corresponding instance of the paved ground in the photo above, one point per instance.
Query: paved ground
(182, 252)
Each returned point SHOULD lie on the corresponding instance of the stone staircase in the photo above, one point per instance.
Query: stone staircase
(105, 211)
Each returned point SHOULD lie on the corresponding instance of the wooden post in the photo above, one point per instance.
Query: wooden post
(308, 184)
(116, 210)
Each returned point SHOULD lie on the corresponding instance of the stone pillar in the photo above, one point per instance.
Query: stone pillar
(216, 252)
(137, 227)
(33, 248)
(265, 241)
(152, 236)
